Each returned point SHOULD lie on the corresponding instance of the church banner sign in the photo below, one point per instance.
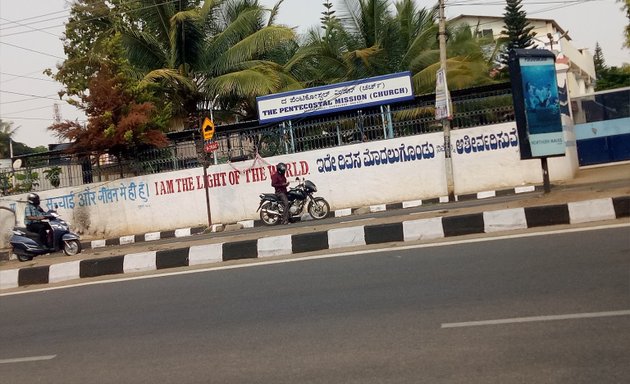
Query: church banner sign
(349, 95)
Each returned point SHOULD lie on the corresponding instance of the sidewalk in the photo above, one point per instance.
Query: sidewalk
(595, 194)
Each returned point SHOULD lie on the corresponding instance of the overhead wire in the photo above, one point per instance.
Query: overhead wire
(37, 17)
(26, 94)
(29, 99)
(20, 23)
(25, 76)
(28, 26)
(536, 2)
(562, 4)
(119, 12)
(29, 110)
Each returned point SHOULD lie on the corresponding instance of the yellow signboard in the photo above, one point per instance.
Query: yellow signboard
(207, 129)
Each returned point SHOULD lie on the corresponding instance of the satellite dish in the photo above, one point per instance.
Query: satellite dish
(17, 164)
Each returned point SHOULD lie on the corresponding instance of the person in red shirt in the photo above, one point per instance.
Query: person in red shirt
(280, 183)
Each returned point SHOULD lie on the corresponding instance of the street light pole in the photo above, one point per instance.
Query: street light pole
(446, 124)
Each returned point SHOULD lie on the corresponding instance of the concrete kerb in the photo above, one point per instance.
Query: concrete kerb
(230, 227)
(335, 238)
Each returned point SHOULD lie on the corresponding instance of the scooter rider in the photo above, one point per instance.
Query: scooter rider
(33, 216)
(280, 183)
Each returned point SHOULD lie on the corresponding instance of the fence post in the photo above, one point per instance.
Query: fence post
(283, 131)
(384, 121)
(174, 157)
(360, 125)
(390, 124)
(338, 133)
(292, 138)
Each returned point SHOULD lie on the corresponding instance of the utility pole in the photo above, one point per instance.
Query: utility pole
(446, 124)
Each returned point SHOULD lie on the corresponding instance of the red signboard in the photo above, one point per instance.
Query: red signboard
(211, 146)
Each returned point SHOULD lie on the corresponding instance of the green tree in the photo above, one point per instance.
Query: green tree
(87, 43)
(93, 47)
(244, 58)
(214, 53)
(164, 43)
(598, 60)
(613, 77)
(323, 56)
(52, 175)
(26, 180)
(220, 54)
(117, 122)
(371, 39)
(626, 7)
(94, 38)
(517, 29)
(6, 134)
(609, 77)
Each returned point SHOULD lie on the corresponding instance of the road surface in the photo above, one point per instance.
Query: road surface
(553, 308)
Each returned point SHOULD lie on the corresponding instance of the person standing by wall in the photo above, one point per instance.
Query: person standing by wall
(280, 183)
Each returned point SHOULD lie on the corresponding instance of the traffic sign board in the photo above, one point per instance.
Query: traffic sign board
(207, 129)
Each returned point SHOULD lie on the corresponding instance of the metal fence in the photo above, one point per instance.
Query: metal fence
(476, 107)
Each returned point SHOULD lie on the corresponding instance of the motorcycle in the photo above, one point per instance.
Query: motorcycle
(300, 196)
(27, 245)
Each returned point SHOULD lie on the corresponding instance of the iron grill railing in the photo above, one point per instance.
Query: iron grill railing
(472, 108)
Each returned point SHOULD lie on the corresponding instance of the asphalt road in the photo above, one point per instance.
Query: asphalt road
(404, 316)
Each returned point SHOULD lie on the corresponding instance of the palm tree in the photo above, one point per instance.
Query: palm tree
(370, 40)
(164, 43)
(466, 64)
(6, 135)
(6, 128)
(208, 56)
(245, 57)
(346, 48)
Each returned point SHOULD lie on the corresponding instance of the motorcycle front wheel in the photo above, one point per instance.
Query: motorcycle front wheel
(268, 218)
(71, 247)
(318, 208)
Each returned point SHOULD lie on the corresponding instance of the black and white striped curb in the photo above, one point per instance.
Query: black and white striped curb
(152, 236)
(339, 238)
(184, 232)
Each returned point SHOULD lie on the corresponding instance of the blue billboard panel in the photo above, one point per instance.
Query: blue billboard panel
(536, 103)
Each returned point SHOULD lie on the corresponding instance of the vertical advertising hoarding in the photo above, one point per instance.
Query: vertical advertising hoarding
(536, 103)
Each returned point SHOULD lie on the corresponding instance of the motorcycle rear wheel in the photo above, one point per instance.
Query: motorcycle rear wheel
(319, 208)
(23, 258)
(71, 247)
(267, 218)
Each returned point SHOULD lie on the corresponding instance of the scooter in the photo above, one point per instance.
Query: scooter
(27, 245)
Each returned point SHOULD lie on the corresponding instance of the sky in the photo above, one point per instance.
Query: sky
(30, 42)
